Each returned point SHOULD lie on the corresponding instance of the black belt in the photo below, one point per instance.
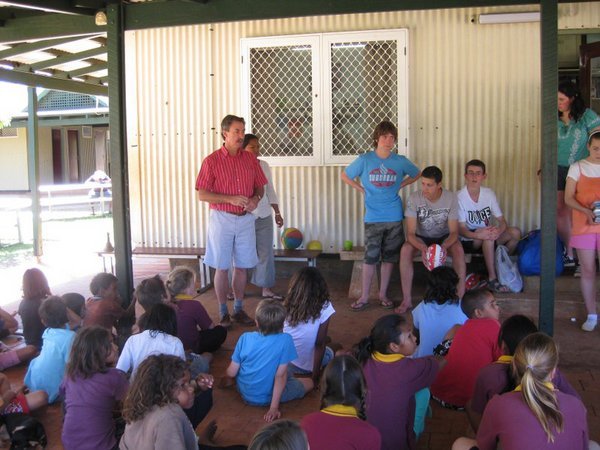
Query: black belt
(242, 213)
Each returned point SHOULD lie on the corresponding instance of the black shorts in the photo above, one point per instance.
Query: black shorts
(430, 241)
(561, 179)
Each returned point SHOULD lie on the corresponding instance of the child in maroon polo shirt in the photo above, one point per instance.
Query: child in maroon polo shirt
(497, 378)
(474, 346)
(393, 379)
(535, 415)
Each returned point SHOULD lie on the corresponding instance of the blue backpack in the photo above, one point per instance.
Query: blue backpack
(529, 250)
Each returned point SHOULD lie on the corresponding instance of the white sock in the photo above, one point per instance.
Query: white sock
(592, 317)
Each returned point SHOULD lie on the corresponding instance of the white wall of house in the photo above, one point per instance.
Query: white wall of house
(474, 92)
(13, 160)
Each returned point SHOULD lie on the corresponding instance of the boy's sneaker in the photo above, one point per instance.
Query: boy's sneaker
(577, 273)
(225, 321)
(242, 318)
(568, 261)
(589, 324)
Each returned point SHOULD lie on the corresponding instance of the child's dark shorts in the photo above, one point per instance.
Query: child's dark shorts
(383, 241)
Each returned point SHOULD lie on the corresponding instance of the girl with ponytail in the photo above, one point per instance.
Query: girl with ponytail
(393, 379)
(340, 424)
(535, 414)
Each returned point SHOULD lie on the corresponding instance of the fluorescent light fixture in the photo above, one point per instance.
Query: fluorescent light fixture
(517, 17)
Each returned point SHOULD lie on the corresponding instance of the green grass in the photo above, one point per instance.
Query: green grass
(13, 254)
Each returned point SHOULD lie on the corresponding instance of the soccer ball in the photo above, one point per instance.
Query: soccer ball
(435, 256)
(291, 238)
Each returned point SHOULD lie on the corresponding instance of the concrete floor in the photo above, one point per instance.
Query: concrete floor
(580, 359)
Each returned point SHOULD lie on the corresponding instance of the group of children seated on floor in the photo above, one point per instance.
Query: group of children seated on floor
(374, 396)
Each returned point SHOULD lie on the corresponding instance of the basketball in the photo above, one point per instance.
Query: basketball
(435, 256)
(291, 238)
(314, 245)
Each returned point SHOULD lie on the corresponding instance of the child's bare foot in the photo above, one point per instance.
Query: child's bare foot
(404, 307)
(386, 303)
(207, 435)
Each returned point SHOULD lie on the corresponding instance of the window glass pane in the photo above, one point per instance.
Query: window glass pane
(364, 91)
(281, 99)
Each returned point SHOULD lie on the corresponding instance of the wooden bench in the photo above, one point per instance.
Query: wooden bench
(177, 254)
(357, 254)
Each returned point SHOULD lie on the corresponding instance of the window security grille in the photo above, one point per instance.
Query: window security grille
(281, 99)
(316, 99)
(364, 91)
(8, 132)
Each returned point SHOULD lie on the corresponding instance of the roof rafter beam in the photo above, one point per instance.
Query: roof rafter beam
(69, 57)
(31, 79)
(20, 49)
(89, 69)
(57, 6)
(44, 26)
(184, 12)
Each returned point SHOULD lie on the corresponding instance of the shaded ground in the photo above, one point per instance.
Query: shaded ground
(580, 359)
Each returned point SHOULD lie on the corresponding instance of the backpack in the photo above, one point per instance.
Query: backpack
(507, 270)
(25, 432)
(529, 249)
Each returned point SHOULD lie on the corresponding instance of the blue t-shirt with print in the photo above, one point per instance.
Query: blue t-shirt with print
(259, 356)
(381, 179)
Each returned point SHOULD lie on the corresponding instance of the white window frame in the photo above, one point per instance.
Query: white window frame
(320, 44)
(284, 41)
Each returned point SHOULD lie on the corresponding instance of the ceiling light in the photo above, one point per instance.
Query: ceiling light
(100, 18)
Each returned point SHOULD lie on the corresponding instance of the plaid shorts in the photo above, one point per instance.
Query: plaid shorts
(383, 241)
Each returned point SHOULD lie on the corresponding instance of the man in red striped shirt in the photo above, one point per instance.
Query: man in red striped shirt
(232, 182)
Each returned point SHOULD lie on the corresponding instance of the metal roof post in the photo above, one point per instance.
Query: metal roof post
(33, 160)
(549, 46)
(118, 150)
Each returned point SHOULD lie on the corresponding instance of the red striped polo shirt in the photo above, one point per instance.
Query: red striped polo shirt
(222, 173)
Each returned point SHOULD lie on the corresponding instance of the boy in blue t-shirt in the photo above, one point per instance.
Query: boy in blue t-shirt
(382, 174)
(260, 362)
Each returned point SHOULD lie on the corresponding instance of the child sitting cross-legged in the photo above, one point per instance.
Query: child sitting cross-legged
(341, 424)
(16, 401)
(439, 311)
(154, 407)
(309, 310)
(497, 377)
(91, 390)
(393, 379)
(104, 306)
(474, 346)
(535, 415)
(260, 360)
(195, 328)
(46, 371)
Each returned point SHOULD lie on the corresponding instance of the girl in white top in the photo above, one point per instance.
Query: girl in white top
(582, 193)
(309, 311)
(159, 325)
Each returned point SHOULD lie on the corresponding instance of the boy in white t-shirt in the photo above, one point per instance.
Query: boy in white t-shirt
(481, 223)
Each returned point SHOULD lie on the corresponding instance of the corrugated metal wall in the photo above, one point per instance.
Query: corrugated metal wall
(474, 93)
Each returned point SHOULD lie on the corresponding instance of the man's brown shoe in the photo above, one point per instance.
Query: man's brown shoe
(242, 318)
(225, 321)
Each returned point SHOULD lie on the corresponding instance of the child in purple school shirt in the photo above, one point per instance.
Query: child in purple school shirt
(92, 389)
(535, 414)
